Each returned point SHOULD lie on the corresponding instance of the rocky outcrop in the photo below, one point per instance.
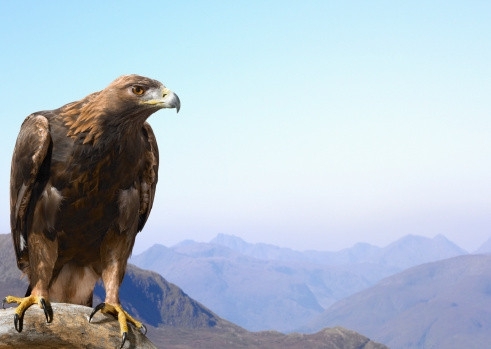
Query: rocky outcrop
(70, 328)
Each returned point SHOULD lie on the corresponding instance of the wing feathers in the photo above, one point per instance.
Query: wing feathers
(150, 176)
(30, 153)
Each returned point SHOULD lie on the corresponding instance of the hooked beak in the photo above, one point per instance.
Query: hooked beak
(164, 98)
(170, 99)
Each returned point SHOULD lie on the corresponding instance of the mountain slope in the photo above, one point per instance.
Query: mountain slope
(444, 304)
(150, 298)
(10, 277)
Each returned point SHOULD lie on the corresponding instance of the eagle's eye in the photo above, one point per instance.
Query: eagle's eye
(138, 90)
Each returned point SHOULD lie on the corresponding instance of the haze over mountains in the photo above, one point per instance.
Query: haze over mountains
(261, 287)
(414, 293)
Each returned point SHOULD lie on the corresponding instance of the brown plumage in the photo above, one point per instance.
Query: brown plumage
(82, 185)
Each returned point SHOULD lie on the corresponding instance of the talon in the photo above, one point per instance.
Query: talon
(3, 302)
(48, 311)
(96, 309)
(18, 322)
(123, 339)
(143, 329)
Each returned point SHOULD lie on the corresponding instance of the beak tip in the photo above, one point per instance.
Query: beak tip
(178, 103)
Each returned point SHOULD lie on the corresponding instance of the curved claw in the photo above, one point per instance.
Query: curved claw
(123, 339)
(96, 309)
(18, 322)
(3, 302)
(143, 329)
(48, 311)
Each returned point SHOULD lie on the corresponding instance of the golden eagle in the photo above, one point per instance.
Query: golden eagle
(82, 185)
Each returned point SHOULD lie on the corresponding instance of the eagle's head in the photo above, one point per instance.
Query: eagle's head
(121, 107)
(134, 94)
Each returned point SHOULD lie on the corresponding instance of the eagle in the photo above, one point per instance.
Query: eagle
(83, 180)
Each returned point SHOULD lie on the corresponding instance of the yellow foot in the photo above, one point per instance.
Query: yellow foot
(123, 318)
(23, 304)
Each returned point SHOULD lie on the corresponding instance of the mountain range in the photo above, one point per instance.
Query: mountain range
(422, 293)
(177, 321)
(264, 287)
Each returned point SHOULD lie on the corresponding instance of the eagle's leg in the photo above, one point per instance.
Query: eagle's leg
(115, 250)
(41, 264)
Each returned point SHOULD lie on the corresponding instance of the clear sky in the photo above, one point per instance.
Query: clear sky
(306, 124)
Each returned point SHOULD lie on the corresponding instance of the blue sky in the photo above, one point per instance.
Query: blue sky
(310, 125)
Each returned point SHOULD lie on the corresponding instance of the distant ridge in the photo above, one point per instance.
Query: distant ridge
(258, 250)
(408, 251)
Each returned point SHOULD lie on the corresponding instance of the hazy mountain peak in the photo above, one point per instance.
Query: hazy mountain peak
(231, 241)
(203, 249)
(156, 250)
(411, 250)
(440, 237)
